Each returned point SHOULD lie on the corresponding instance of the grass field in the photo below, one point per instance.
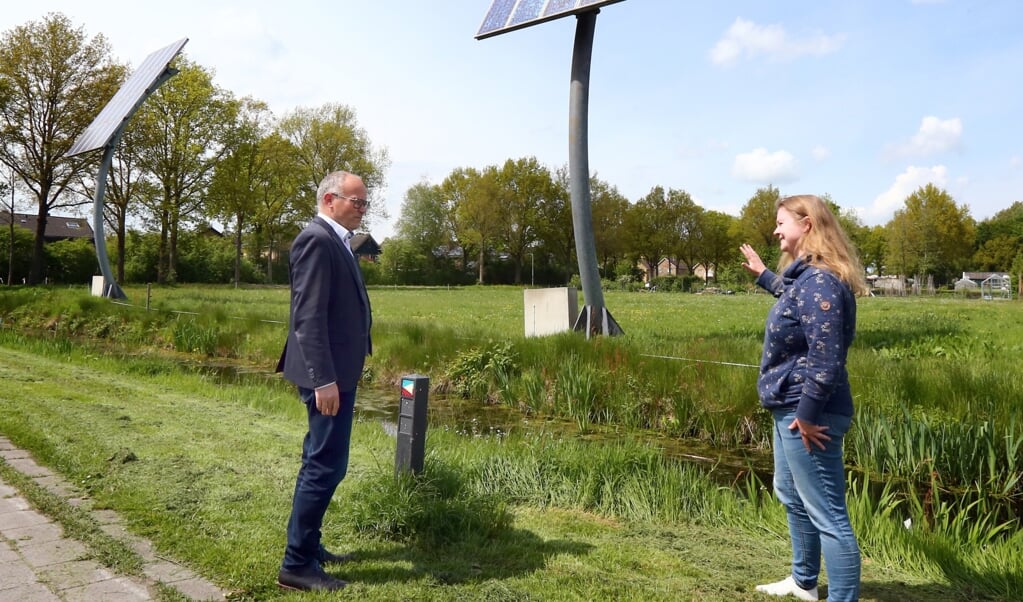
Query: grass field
(533, 516)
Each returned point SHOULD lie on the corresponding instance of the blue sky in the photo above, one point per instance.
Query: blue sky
(865, 101)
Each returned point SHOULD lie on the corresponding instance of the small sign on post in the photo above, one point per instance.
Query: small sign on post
(415, 390)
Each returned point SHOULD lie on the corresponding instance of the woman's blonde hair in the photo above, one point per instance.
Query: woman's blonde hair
(825, 244)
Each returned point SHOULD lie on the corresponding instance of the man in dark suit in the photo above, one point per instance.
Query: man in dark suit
(328, 341)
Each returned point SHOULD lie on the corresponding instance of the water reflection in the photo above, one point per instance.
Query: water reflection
(474, 419)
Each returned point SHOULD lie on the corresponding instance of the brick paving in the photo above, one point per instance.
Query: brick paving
(39, 564)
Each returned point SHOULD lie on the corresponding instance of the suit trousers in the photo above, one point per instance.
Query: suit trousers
(324, 465)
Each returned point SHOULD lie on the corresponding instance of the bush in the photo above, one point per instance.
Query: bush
(71, 261)
(23, 240)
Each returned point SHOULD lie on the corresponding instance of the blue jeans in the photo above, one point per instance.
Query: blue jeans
(324, 464)
(811, 486)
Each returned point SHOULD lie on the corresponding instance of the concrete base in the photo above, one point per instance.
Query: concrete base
(550, 310)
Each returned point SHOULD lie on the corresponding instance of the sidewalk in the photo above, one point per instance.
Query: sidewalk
(38, 563)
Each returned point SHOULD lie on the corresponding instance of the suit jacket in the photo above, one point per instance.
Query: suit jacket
(330, 318)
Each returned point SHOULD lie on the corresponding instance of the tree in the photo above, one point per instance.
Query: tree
(329, 139)
(53, 80)
(525, 186)
(758, 216)
(555, 245)
(647, 227)
(685, 225)
(930, 235)
(479, 214)
(757, 223)
(609, 209)
(183, 130)
(280, 202)
(717, 245)
(232, 194)
(873, 250)
(999, 239)
(420, 251)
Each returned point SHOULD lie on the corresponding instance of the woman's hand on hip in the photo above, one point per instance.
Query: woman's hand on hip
(812, 434)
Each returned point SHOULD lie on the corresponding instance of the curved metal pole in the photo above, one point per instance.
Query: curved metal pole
(594, 318)
(578, 159)
(110, 287)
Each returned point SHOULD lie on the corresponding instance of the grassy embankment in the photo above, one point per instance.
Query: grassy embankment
(608, 521)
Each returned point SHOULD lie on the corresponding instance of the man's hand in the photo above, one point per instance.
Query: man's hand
(753, 263)
(811, 434)
(328, 400)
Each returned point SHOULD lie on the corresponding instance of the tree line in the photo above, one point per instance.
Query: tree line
(191, 155)
(195, 154)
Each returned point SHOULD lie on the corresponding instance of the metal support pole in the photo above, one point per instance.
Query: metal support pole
(111, 289)
(579, 182)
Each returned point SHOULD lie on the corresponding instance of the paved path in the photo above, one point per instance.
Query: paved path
(38, 563)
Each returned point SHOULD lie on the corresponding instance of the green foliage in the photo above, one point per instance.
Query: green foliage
(60, 78)
(208, 258)
(71, 261)
(22, 254)
(931, 235)
(474, 371)
(141, 256)
(435, 508)
(190, 336)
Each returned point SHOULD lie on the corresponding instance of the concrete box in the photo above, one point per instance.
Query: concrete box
(550, 310)
(97, 286)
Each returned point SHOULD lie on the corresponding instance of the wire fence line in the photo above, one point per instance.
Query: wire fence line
(192, 313)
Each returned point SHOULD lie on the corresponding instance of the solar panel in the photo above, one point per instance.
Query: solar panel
(126, 101)
(509, 15)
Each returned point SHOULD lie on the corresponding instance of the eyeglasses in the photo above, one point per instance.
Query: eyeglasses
(354, 200)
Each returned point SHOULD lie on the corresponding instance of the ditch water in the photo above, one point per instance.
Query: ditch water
(473, 419)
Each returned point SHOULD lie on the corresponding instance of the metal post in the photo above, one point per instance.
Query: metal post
(594, 318)
(411, 448)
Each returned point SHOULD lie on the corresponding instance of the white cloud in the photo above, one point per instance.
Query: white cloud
(820, 152)
(934, 136)
(906, 183)
(1015, 162)
(762, 167)
(746, 38)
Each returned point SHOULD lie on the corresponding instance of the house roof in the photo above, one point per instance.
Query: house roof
(364, 244)
(57, 227)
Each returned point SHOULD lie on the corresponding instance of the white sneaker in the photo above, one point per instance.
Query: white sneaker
(788, 587)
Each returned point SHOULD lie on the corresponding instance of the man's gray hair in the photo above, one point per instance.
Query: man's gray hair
(332, 182)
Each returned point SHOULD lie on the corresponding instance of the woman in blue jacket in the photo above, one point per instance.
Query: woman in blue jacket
(803, 382)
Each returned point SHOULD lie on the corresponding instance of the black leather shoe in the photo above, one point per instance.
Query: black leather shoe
(311, 580)
(328, 557)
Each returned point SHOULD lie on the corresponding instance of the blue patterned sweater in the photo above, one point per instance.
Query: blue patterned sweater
(806, 341)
